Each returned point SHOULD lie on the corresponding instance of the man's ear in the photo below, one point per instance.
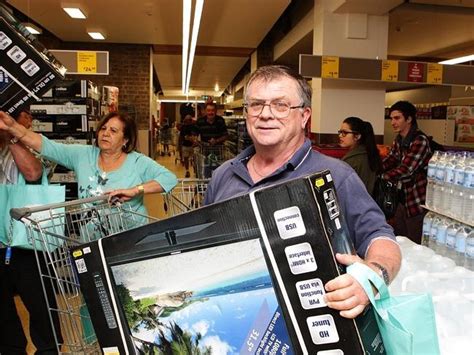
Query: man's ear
(409, 119)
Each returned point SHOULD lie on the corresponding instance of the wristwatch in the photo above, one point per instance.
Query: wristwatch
(141, 189)
(14, 140)
(383, 273)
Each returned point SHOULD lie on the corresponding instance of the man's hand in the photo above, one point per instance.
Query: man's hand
(345, 293)
(5, 121)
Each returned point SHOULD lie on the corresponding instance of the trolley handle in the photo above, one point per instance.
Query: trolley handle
(19, 213)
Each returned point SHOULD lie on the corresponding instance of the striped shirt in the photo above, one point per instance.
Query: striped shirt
(8, 168)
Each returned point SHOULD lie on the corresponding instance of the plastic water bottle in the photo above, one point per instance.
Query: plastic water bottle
(468, 205)
(439, 185)
(441, 236)
(426, 236)
(433, 232)
(457, 199)
(451, 240)
(460, 247)
(469, 258)
(431, 179)
(448, 182)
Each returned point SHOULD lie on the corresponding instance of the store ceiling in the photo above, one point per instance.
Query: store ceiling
(231, 29)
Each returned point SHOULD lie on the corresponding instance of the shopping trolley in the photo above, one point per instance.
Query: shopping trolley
(187, 195)
(53, 230)
(209, 158)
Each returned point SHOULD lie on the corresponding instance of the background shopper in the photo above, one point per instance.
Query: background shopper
(18, 267)
(406, 165)
(111, 166)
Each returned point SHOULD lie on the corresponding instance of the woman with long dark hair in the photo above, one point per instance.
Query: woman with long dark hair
(363, 156)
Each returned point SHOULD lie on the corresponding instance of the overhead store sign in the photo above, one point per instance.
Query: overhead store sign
(434, 73)
(389, 70)
(330, 67)
(415, 72)
(87, 62)
(316, 66)
(84, 62)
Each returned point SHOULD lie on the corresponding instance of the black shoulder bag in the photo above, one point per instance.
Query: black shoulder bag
(386, 195)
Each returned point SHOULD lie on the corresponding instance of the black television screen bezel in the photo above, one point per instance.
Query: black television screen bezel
(203, 243)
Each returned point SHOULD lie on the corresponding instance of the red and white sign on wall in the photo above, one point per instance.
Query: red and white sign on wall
(415, 72)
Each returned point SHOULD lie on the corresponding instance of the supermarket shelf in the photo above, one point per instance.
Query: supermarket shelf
(468, 223)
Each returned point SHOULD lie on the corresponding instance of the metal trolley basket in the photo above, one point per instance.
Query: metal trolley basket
(52, 231)
(210, 158)
(187, 195)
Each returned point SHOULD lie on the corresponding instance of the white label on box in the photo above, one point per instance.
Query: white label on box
(329, 177)
(323, 329)
(16, 54)
(81, 266)
(311, 293)
(113, 350)
(86, 250)
(5, 41)
(330, 352)
(338, 223)
(300, 258)
(289, 222)
(30, 67)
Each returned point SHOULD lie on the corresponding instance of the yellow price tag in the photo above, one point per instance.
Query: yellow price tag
(435, 73)
(76, 253)
(330, 67)
(87, 62)
(389, 70)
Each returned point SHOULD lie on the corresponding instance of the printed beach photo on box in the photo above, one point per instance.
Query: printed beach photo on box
(217, 300)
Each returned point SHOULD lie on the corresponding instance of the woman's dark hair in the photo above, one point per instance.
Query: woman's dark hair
(129, 130)
(366, 138)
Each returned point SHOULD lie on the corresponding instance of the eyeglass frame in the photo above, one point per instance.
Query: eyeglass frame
(245, 105)
(343, 132)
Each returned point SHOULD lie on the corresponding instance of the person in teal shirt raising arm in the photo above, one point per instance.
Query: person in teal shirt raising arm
(111, 166)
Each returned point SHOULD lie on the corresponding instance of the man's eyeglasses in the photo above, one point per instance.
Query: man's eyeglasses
(279, 109)
(344, 133)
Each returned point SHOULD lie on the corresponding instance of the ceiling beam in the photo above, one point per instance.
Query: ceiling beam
(204, 50)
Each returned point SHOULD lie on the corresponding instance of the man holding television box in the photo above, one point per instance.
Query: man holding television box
(278, 106)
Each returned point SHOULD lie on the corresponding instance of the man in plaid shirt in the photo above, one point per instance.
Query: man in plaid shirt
(406, 165)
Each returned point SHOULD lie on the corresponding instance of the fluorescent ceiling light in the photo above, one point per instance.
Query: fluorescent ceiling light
(75, 12)
(464, 59)
(196, 24)
(96, 35)
(32, 28)
(186, 25)
(178, 100)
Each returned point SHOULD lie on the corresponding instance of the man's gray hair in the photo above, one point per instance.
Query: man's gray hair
(270, 72)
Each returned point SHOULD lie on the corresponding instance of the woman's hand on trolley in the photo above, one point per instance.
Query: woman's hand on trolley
(124, 195)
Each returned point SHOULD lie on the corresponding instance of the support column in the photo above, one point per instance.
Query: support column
(354, 35)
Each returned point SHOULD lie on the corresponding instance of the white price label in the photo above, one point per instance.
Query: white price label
(323, 329)
(16, 54)
(289, 222)
(5, 41)
(81, 266)
(300, 258)
(311, 293)
(30, 67)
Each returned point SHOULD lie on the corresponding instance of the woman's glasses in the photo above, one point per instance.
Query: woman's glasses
(343, 132)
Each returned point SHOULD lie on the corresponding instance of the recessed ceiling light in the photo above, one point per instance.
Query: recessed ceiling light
(96, 35)
(75, 12)
(32, 28)
(459, 60)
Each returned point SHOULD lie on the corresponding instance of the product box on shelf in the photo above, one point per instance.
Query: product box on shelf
(254, 283)
(27, 69)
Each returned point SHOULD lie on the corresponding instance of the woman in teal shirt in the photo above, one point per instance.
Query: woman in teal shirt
(111, 166)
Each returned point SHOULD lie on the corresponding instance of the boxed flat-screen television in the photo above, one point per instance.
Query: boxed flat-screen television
(243, 276)
(27, 68)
